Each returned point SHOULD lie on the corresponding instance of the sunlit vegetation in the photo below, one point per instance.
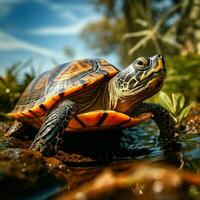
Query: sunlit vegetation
(167, 26)
(176, 106)
(183, 76)
(13, 83)
(134, 28)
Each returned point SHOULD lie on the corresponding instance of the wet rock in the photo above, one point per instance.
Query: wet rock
(20, 168)
(22, 172)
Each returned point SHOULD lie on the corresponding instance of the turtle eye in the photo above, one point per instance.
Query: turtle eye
(141, 63)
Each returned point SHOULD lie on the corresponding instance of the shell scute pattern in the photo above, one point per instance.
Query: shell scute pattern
(46, 90)
(34, 91)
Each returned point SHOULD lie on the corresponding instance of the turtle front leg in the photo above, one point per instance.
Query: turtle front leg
(50, 133)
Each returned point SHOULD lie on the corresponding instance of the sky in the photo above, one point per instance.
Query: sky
(41, 29)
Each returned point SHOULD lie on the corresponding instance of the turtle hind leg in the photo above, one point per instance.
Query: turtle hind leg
(50, 134)
(161, 117)
(21, 131)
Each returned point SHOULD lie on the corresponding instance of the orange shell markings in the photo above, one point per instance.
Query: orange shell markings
(101, 119)
(69, 75)
(73, 70)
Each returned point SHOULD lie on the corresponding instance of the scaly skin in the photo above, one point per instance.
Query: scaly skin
(161, 116)
(50, 134)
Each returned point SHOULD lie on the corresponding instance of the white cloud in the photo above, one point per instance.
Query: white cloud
(58, 6)
(69, 16)
(9, 43)
(54, 30)
(66, 9)
(74, 28)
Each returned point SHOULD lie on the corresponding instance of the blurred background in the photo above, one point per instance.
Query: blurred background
(36, 35)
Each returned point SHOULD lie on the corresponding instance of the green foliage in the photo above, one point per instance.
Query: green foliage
(154, 32)
(12, 84)
(183, 76)
(175, 105)
(146, 26)
(105, 36)
(194, 192)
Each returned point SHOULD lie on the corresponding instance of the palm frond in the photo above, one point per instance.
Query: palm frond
(141, 22)
(136, 34)
(170, 40)
(142, 42)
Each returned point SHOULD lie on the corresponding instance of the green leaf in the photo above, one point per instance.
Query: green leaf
(178, 101)
(175, 97)
(166, 102)
(184, 113)
(182, 101)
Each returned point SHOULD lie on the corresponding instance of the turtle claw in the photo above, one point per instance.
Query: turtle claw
(46, 149)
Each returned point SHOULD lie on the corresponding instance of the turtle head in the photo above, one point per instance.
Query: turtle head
(140, 80)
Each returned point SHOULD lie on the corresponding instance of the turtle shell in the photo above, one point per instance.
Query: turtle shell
(52, 86)
(104, 119)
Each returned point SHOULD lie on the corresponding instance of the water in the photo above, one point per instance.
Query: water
(98, 150)
(137, 143)
(184, 152)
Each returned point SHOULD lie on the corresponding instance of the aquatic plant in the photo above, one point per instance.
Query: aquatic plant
(175, 105)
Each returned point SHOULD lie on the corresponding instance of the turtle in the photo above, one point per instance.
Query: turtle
(89, 95)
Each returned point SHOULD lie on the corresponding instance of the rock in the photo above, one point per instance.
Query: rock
(23, 173)
(20, 168)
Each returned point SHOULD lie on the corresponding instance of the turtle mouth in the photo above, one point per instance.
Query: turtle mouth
(161, 74)
(155, 81)
(156, 76)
